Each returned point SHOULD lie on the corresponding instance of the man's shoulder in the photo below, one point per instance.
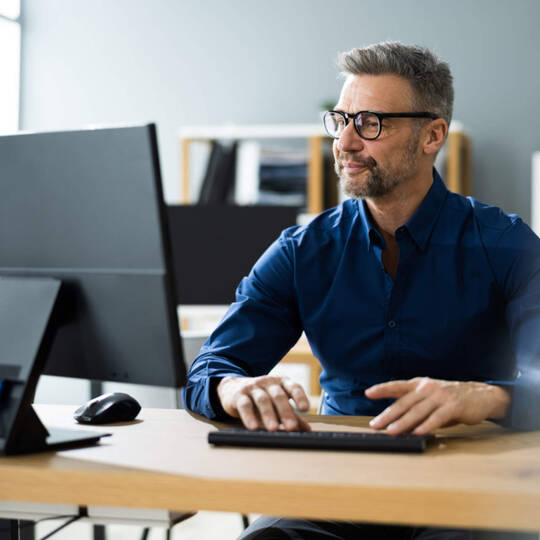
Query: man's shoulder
(331, 222)
(487, 217)
(505, 237)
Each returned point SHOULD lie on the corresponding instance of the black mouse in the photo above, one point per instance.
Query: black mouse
(108, 408)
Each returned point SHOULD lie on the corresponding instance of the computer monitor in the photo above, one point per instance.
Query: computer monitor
(205, 237)
(86, 208)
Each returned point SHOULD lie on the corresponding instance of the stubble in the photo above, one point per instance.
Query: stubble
(380, 179)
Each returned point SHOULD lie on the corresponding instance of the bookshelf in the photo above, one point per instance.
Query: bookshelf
(454, 165)
(314, 134)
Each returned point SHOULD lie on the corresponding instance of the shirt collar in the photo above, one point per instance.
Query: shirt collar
(420, 226)
(422, 223)
(368, 225)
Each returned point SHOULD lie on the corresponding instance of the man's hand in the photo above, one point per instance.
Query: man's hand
(423, 404)
(263, 402)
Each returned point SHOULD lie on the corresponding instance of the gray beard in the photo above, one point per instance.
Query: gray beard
(379, 182)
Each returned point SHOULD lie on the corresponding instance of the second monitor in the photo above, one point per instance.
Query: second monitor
(85, 264)
(215, 246)
(86, 207)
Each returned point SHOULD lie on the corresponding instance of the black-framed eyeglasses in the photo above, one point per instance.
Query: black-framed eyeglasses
(368, 124)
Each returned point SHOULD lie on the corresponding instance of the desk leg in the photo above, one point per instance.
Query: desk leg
(13, 529)
(99, 532)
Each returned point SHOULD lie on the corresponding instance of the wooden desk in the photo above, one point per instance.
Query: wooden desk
(478, 476)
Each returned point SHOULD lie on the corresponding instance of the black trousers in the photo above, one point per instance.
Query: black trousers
(270, 528)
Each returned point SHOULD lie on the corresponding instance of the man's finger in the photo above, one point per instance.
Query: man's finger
(442, 416)
(303, 425)
(413, 417)
(297, 393)
(390, 389)
(397, 410)
(246, 411)
(265, 407)
(285, 412)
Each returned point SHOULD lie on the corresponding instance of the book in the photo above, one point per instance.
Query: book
(248, 156)
(283, 177)
(218, 182)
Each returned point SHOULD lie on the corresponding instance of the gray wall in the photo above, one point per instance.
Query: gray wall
(184, 62)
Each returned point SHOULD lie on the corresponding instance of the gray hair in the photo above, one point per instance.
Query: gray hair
(429, 77)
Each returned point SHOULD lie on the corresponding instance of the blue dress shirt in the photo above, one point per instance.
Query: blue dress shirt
(464, 305)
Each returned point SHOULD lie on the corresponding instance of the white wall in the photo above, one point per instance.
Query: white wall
(185, 62)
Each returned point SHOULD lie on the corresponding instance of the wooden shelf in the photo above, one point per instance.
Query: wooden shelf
(457, 167)
(458, 163)
(314, 133)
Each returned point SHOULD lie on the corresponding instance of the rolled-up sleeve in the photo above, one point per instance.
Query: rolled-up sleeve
(256, 332)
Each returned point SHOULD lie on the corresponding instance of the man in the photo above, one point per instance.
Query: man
(422, 306)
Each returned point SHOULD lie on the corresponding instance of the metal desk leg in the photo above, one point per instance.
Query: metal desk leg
(13, 529)
(99, 532)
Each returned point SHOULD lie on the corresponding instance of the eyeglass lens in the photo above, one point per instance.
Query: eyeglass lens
(367, 124)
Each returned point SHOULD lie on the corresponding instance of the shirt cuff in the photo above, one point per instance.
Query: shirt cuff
(524, 411)
(509, 387)
(215, 403)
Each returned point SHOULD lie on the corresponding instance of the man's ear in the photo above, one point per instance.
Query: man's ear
(435, 136)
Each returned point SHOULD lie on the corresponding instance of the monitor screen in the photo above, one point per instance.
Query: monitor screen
(86, 207)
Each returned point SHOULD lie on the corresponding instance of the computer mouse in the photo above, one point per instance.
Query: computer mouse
(108, 408)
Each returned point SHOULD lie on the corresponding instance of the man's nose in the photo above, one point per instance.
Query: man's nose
(350, 141)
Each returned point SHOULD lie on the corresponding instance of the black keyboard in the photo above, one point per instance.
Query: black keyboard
(321, 440)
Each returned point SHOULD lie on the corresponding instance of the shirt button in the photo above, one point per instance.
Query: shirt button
(392, 324)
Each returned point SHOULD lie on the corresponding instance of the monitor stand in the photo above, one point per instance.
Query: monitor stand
(29, 316)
